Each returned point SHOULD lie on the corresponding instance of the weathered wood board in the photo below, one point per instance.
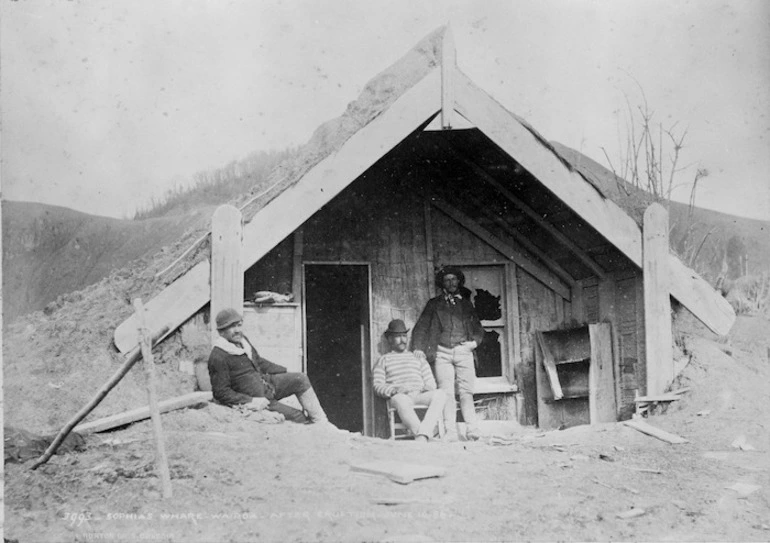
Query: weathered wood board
(399, 472)
(141, 413)
(650, 430)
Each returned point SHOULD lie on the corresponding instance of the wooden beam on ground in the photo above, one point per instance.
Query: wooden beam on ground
(658, 337)
(297, 203)
(399, 472)
(508, 133)
(534, 215)
(645, 428)
(540, 272)
(226, 268)
(448, 67)
(130, 360)
(142, 413)
(161, 460)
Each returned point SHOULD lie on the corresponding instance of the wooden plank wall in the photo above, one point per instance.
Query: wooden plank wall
(537, 312)
(367, 225)
(630, 329)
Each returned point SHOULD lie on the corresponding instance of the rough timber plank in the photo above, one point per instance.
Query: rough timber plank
(121, 419)
(657, 303)
(181, 299)
(645, 428)
(399, 472)
(538, 271)
(604, 215)
(172, 306)
(226, 269)
(550, 367)
(601, 375)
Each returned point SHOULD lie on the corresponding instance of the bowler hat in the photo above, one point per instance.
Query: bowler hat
(396, 326)
(227, 317)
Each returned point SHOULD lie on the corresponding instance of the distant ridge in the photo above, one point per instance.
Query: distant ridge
(49, 251)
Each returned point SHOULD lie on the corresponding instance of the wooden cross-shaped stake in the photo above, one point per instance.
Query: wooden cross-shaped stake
(161, 461)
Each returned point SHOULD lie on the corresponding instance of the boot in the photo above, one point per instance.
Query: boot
(310, 403)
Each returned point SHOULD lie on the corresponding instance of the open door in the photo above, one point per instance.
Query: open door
(337, 341)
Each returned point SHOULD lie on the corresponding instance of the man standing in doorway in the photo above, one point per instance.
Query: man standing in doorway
(239, 376)
(447, 332)
(407, 381)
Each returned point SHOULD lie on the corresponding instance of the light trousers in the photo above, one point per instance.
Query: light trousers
(455, 369)
(404, 404)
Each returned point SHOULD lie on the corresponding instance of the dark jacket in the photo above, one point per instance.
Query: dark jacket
(236, 379)
(435, 317)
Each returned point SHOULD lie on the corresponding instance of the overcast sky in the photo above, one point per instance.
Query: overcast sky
(108, 103)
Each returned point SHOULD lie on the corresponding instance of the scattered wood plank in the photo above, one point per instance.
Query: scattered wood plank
(631, 513)
(658, 398)
(399, 472)
(644, 470)
(655, 432)
(121, 419)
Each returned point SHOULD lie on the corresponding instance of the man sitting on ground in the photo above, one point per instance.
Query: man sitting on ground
(407, 381)
(240, 377)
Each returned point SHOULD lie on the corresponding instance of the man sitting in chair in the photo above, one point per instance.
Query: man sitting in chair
(407, 380)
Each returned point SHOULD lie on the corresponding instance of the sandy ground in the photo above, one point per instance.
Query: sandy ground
(239, 480)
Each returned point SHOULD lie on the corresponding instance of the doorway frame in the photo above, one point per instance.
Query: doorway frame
(367, 392)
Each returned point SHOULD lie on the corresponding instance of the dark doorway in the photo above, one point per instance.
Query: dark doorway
(337, 336)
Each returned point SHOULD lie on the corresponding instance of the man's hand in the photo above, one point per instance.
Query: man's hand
(257, 404)
(470, 345)
(419, 354)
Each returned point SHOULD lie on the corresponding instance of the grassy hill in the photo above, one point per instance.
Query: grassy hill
(50, 251)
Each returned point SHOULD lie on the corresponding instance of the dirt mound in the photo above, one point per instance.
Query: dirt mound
(51, 251)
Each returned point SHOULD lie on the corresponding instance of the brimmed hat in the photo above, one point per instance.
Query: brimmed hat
(449, 270)
(227, 317)
(396, 326)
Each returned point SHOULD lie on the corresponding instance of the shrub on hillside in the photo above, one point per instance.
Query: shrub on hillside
(749, 294)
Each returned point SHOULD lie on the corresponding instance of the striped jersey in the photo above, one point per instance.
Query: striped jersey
(403, 370)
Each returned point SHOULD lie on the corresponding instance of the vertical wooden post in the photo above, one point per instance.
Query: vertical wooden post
(601, 375)
(296, 288)
(226, 270)
(429, 246)
(578, 302)
(448, 64)
(161, 461)
(657, 304)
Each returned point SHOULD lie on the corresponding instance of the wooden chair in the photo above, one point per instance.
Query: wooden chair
(397, 425)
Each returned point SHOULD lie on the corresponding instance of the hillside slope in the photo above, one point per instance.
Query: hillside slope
(49, 251)
(714, 244)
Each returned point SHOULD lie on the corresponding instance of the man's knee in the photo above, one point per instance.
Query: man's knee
(439, 396)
